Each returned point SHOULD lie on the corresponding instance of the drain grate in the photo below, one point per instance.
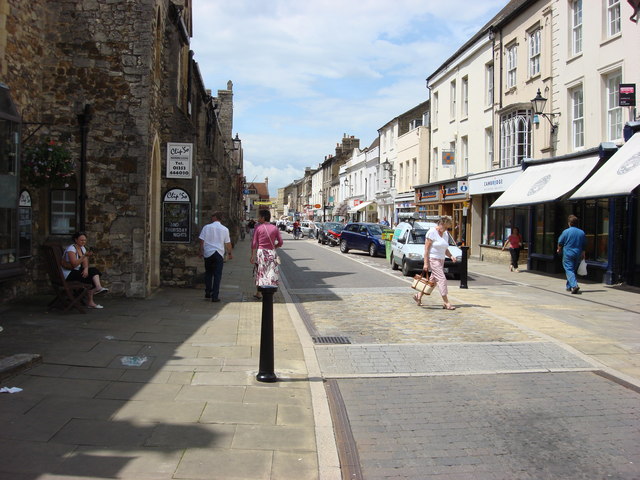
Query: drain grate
(332, 340)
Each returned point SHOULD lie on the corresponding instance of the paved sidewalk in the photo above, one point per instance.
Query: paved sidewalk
(161, 388)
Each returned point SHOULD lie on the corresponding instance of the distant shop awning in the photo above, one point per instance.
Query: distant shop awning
(357, 208)
(620, 175)
(546, 182)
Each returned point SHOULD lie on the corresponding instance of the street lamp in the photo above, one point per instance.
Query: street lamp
(538, 104)
(348, 185)
(237, 142)
(324, 215)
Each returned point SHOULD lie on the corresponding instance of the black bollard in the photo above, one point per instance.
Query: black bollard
(463, 267)
(265, 371)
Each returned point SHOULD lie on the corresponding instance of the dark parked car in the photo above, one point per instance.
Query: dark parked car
(362, 236)
(322, 233)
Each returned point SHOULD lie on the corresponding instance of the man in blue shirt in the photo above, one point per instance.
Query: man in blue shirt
(571, 244)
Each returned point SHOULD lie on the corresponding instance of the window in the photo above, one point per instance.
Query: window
(577, 120)
(415, 170)
(497, 223)
(544, 229)
(576, 27)
(614, 111)
(515, 137)
(434, 169)
(425, 119)
(613, 18)
(489, 84)
(452, 110)
(534, 53)
(465, 96)
(512, 64)
(63, 211)
(415, 123)
(9, 150)
(595, 223)
(464, 154)
(488, 134)
(435, 110)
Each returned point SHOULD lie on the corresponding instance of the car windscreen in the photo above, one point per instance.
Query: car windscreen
(331, 226)
(452, 242)
(375, 230)
(417, 236)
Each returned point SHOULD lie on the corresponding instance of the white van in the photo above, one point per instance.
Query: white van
(407, 248)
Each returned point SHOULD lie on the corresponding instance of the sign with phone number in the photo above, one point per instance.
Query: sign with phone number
(179, 160)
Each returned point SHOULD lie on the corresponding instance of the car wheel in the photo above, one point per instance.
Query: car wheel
(372, 250)
(343, 246)
(394, 265)
(405, 268)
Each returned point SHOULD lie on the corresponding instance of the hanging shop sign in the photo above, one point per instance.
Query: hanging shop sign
(176, 217)
(627, 97)
(448, 158)
(179, 160)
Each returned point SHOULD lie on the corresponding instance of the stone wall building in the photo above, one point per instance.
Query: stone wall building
(115, 85)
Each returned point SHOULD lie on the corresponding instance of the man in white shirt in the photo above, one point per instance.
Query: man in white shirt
(214, 242)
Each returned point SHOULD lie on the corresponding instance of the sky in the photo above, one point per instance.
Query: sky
(307, 72)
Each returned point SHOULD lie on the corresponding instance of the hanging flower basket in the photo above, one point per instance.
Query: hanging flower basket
(45, 163)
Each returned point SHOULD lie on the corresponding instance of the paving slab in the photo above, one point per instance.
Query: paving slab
(563, 425)
(225, 464)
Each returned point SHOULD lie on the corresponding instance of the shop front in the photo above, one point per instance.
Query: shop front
(364, 211)
(492, 226)
(449, 198)
(542, 194)
(612, 217)
(404, 203)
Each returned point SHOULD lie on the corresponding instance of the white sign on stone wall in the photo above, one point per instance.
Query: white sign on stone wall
(179, 160)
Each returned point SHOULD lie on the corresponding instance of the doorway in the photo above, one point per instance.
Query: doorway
(154, 217)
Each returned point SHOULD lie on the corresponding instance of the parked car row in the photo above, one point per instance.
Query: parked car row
(407, 243)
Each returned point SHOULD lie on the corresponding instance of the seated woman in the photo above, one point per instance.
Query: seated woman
(75, 267)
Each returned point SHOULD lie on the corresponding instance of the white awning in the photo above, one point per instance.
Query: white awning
(357, 208)
(619, 176)
(546, 182)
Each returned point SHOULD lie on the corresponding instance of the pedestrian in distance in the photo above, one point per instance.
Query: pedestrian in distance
(251, 225)
(266, 239)
(514, 244)
(75, 267)
(571, 244)
(384, 222)
(214, 243)
(436, 249)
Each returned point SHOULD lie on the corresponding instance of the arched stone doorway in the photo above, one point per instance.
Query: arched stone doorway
(154, 216)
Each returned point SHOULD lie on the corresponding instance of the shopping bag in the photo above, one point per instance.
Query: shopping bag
(582, 269)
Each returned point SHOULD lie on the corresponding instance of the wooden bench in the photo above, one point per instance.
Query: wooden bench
(69, 294)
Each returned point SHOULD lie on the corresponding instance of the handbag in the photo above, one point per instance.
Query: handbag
(422, 284)
(582, 268)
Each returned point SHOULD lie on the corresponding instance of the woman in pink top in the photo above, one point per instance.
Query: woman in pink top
(514, 243)
(266, 238)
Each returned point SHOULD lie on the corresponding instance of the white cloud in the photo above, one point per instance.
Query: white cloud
(304, 73)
